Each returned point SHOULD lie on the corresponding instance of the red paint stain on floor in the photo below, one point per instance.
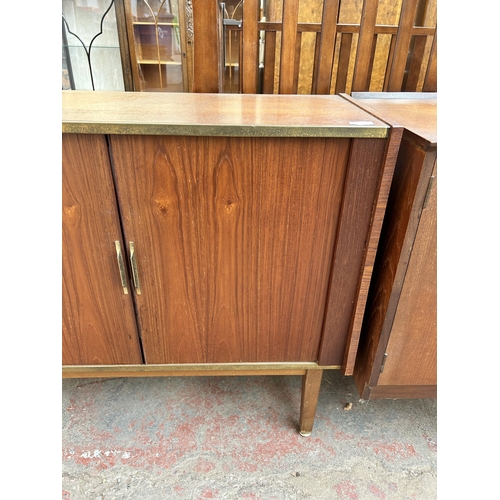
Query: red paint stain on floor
(390, 451)
(377, 492)
(343, 436)
(208, 493)
(346, 490)
(203, 465)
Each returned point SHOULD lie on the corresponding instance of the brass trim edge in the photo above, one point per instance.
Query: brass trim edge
(375, 132)
(189, 367)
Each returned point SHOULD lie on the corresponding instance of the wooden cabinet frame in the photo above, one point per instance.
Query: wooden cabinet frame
(397, 357)
(294, 155)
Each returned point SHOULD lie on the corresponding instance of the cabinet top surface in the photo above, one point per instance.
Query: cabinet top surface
(415, 112)
(239, 115)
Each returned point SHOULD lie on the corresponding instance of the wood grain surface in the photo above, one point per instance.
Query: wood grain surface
(207, 72)
(412, 360)
(417, 112)
(362, 181)
(98, 318)
(234, 240)
(407, 195)
(412, 347)
(216, 114)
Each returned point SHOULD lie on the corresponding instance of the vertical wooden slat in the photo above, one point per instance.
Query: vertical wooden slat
(134, 56)
(430, 82)
(403, 39)
(343, 67)
(296, 64)
(361, 79)
(390, 57)
(288, 37)
(186, 45)
(121, 25)
(206, 63)
(327, 47)
(249, 63)
(372, 58)
(317, 48)
(269, 59)
(240, 55)
(417, 55)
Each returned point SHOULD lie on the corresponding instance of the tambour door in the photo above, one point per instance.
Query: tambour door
(99, 324)
(234, 239)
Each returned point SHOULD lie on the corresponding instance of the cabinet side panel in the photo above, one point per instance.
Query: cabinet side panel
(412, 347)
(98, 318)
(358, 206)
(234, 240)
(404, 207)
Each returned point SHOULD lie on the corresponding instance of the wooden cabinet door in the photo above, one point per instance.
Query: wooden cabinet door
(234, 240)
(99, 324)
(412, 348)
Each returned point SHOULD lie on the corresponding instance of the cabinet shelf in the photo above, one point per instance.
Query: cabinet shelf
(155, 61)
(151, 23)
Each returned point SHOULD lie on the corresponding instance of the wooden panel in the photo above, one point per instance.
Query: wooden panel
(361, 78)
(371, 245)
(404, 391)
(250, 47)
(207, 42)
(327, 47)
(362, 181)
(98, 318)
(269, 61)
(288, 45)
(412, 171)
(403, 39)
(412, 347)
(234, 239)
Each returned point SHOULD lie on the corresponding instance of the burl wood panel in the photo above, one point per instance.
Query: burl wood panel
(412, 347)
(234, 240)
(98, 318)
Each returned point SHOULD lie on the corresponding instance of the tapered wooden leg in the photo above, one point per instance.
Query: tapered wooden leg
(311, 383)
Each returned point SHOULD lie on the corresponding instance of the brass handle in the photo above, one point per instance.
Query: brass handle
(135, 272)
(121, 266)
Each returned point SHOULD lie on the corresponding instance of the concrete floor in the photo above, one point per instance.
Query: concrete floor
(236, 438)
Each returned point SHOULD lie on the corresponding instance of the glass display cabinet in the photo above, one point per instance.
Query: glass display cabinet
(157, 45)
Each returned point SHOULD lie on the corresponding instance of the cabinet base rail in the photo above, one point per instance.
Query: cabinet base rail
(311, 374)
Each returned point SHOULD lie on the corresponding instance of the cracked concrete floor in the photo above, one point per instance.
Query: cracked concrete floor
(236, 437)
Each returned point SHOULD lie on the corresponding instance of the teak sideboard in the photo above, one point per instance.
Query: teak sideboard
(397, 356)
(218, 234)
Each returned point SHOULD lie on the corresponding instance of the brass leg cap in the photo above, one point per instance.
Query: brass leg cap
(305, 433)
